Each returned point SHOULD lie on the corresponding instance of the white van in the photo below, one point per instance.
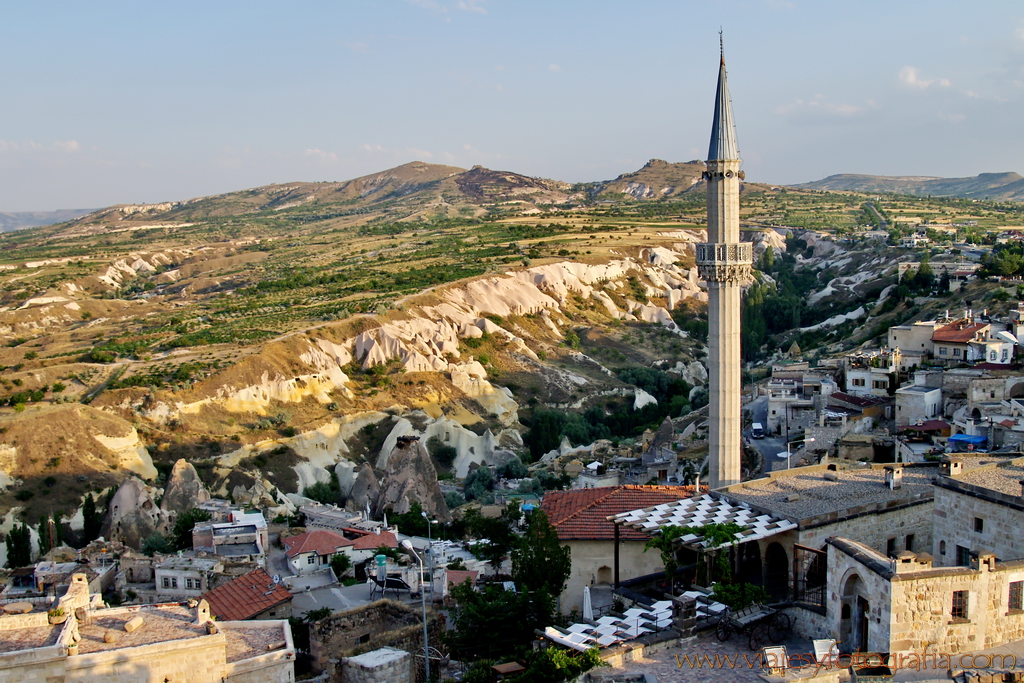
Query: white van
(757, 430)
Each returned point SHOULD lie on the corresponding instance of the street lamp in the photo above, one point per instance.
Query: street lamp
(789, 451)
(430, 551)
(407, 544)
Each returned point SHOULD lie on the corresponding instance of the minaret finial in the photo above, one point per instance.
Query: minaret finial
(721, 44)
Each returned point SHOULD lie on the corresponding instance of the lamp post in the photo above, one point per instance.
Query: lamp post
(430, 551)
(789, 450)
(407, 544)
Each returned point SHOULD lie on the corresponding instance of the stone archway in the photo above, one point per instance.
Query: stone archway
(749, 569)
(604, 576)
(975, 414)
(855, 610)
(1016, 391)
(776, 571)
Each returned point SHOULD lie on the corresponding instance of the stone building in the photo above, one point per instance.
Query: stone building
(580, 517)
(168, 642)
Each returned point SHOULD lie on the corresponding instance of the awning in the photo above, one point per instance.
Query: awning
(706, 509)
(967, 438)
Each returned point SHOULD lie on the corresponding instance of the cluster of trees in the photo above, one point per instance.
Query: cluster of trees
(51, 533)
(1005, 260)
(540, 568)
(615, 419)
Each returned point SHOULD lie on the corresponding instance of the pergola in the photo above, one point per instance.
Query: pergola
(709, 508)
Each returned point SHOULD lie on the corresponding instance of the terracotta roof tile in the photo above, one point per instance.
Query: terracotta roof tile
(371, 541)
(582, 514)
(959, 332)
(246, 597)
(320, 541)
(458, 576)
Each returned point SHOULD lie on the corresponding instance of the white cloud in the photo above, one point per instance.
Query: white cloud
(320, 155)
(66, 146)
(909, 76)
(398, 152)
(821, 104)
(554, 67)
(471, 6)
(951, 118)
(358, 47)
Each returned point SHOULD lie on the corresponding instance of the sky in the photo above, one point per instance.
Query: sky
(110, 102)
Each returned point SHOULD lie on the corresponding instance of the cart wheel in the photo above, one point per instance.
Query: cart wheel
(758, 634)
(779, 628)
(724, 628)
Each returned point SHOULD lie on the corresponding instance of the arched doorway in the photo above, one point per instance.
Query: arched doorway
(776, 571)
(854, 616)
(1017, 390)
(975, 414)
(604, 576)
(749, 570)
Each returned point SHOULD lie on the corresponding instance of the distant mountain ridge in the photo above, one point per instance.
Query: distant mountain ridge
(1008, 185)
(10, 222)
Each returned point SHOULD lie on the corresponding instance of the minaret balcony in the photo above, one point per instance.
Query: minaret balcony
(724, 263)
(718, 254)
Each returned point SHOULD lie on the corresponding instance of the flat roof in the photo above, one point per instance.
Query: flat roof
(815, 495)
(1004, 477)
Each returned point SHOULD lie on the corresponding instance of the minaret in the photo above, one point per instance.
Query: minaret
(725, 263)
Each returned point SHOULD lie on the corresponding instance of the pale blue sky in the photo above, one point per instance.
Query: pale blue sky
(116, 102)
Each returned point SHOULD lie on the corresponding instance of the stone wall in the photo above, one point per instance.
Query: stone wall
(384, 623)
(876, 527)
(386, 665)
(923, 601)
(955, 512)
(593, 563)
(850, 581)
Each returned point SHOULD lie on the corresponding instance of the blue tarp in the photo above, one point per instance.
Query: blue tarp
(965, 438)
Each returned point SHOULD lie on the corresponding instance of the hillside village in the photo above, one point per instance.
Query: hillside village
(297, 502)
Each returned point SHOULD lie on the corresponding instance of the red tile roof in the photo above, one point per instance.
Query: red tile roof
(457, 577)
(372, 540)
(320, 541)
(959, 332)
(582, 514)
(246, 597)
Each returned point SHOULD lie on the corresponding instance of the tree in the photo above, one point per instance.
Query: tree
(665, 543)
(515, 469)
(92, 520)
(19, 547)
(340, 563)
(181, 535)
(539, 560)
(490, 622)
(46, 526)
(541, 565)
(495, 534)
(768, 259)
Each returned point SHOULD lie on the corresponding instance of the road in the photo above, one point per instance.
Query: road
(770, 446)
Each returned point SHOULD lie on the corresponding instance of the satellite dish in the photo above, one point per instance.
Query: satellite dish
(277, 578)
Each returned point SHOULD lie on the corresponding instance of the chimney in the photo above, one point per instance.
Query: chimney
(951, 467)
(894, 477)
(831, 473)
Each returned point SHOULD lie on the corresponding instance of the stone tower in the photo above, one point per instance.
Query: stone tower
(724, 262)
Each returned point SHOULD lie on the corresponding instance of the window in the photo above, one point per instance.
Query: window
(942, 547)
(992, 356)
(166, 582)
(188, 583)
(311, 559)
(910, 542)
(880, 384)
(1016, 600)
(858, 382)
(960, 605)
(174, 582)
(956, 352)
(942, 351)
(963, 556)
(890, 547)
(979, 525)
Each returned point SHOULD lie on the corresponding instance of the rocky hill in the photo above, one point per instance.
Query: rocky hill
(32, 219)
(1006, 186)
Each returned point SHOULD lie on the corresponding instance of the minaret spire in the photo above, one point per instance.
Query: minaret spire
(724, 262)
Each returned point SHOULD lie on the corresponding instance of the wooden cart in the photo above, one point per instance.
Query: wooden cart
(757, 622)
